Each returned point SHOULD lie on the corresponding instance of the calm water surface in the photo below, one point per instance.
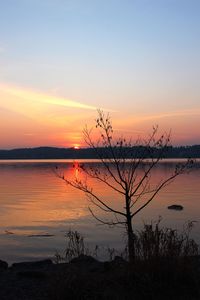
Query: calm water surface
(34, 202)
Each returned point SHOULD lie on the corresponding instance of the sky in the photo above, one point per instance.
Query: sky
(61, 60)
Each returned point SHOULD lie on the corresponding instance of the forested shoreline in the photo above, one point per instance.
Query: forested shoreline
(87, 153)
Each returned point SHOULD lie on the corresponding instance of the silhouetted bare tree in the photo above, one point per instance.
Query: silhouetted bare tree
(127, 170)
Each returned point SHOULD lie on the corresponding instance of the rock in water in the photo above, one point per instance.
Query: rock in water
(175, 207)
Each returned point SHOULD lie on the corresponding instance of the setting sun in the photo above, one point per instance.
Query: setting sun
(76, 147)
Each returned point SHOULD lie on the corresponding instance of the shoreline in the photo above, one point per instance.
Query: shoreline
(86, 278)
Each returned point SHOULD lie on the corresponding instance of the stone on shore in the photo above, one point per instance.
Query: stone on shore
(3, 265)
(32, 264)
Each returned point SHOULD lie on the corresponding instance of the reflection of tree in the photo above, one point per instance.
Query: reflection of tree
(131, 179)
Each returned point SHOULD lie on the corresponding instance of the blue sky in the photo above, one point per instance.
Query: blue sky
(139, 58)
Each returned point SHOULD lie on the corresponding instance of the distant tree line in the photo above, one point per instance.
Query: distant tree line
(87, 153)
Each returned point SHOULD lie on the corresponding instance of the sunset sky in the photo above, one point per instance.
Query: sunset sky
(60, 60)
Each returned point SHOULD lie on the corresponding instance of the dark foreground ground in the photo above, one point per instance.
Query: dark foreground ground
(86, 278)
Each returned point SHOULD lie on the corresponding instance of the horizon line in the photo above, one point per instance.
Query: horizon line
(80, 148)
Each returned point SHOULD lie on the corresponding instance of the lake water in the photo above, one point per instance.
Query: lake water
(34, 203)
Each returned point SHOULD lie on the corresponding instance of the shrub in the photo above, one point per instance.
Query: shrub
(154, 241)
(74, 248)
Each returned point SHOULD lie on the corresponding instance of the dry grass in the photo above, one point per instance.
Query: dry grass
(167, 266)
(154, 241)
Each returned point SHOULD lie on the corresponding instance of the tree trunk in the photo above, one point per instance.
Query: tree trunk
(130, 234)
(131, 240)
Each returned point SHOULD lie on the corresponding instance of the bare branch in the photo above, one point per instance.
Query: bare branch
(130, 178)
(104, 180)
(106, 164)
(83, 187)
(177, 172)
(109, 223)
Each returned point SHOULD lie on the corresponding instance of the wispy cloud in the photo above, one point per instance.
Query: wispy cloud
(138, 122)
(159, 116)
(181, 113)
(29, 134)
(43, 98)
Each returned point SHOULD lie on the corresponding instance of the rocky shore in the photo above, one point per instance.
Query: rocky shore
(86, 278)
(25, 281)
(40, 280)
